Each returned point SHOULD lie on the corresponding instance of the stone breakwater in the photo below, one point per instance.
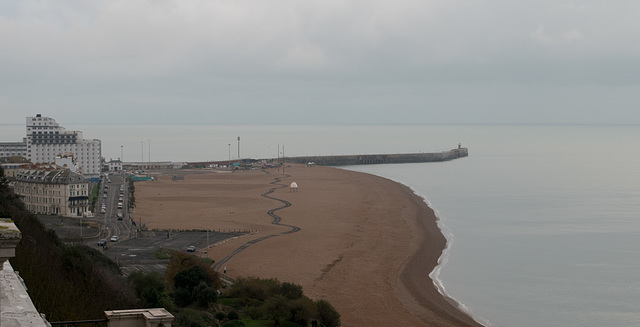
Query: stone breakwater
(369, 159)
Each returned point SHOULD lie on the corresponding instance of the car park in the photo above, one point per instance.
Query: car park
(114, 238)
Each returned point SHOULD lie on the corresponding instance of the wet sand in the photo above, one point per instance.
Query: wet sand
(366, 244)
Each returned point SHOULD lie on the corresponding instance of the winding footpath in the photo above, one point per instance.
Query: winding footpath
(276, 221)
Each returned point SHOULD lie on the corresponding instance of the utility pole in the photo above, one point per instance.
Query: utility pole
(283, 158)
(238, 147)
(141, 151)
(149, 151)
(121, 153)
(229, 155)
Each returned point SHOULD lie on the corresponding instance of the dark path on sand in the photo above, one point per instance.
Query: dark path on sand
(276, 221)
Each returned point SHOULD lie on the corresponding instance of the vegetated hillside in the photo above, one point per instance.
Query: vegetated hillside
(64, 282)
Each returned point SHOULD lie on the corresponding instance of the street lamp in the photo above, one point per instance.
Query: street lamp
(149, 151)
(229, 155)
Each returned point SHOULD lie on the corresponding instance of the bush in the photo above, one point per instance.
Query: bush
(192, 318)
(149, 288)
(327, 314)
(234, 324)
(254, 288)
(233, 315)
(220, 316)
(205, 294)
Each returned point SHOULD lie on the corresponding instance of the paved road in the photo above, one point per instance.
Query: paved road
(138, 251)
(134, 250)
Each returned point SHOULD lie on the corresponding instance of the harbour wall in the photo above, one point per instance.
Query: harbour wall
(369, 159)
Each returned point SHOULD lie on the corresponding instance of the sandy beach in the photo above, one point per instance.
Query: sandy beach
(366, 244)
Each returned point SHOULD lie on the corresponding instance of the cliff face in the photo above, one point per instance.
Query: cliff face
(365, 159)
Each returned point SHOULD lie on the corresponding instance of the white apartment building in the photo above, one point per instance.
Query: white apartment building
(46, 139)
(53, 192)
(13, 149)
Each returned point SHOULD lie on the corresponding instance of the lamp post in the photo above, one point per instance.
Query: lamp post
(149, 151)
(229, 156)
(141, 151)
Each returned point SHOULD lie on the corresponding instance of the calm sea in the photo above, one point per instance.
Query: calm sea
(543, 222)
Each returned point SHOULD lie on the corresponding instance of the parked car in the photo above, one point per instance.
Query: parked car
(102, 242)
(191, 249)
(114, 238)
(119, 216)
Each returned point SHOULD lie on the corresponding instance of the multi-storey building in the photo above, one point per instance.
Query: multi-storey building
(46, 139)
(53, 192)
(13, 149)
(13, 165)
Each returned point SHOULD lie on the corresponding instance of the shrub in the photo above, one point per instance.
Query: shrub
(192, 318)
(327, 314)
(149, 288)
(233, 315)
(234, 324)
(220, 316)
(205, 294)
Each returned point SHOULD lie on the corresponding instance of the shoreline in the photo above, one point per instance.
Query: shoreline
(434, 273)
(367, 244)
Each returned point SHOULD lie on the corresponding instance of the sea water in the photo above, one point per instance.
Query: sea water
(543, 222)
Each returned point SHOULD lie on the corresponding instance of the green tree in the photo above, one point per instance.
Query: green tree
(327, 314)
(301, 310)
(192, 280)
(291, 291)
(205, 294)
(277, 308)
(149, 288)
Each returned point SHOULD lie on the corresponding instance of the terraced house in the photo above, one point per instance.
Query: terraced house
(54, 192)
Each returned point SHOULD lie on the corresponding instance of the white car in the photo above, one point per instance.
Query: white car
(114, 238)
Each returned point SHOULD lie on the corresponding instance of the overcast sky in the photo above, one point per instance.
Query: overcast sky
(320, 62)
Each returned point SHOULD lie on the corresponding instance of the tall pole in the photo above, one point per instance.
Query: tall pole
(229, 155)
(278, 162)
(141, 151)
(149, 151)
(121, 153)
(238, 147)
(283, 158)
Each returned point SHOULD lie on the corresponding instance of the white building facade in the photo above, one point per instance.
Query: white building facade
(115, 165)
(46, 139)
(54, 192)
(13, 149)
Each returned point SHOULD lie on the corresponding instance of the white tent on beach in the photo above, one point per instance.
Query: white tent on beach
(293, 187)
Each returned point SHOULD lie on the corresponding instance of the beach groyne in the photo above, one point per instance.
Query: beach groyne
(369, 159)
